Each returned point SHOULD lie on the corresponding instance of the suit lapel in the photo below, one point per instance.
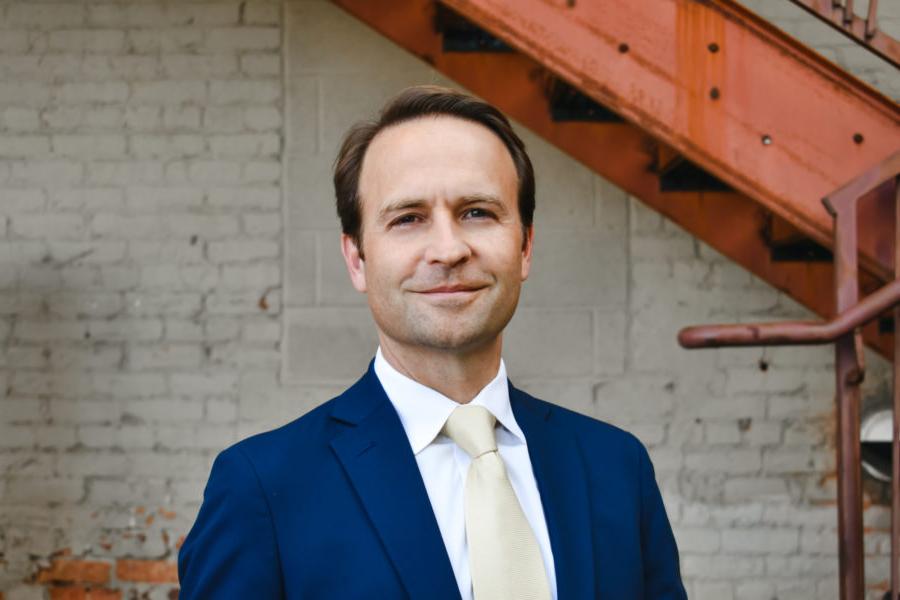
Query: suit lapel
(376, 456)
(562, 482)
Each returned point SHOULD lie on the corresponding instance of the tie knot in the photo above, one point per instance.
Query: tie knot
(472, 428)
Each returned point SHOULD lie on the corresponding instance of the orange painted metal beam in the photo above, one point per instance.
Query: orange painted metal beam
(624, 153)
(784, 125)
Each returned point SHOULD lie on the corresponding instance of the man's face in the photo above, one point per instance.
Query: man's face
(445, 252)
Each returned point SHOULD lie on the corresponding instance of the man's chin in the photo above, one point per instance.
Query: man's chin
(454, 336)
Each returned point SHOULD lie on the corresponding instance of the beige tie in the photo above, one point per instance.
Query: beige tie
(504, 555)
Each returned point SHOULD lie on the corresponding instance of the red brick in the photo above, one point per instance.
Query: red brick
(84, 593)
(76, 571)
(151, 571)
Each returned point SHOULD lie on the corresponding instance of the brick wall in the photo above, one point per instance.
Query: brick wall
(140, 272)
(160, 181)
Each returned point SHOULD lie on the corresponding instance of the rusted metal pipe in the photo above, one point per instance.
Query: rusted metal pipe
(895, 439)
(863, 31)
(871, 28)
(790, 333)
(848, 371)
(848, 12)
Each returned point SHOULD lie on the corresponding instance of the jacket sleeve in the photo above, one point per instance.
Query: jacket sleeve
(231, 551)
(662, 573)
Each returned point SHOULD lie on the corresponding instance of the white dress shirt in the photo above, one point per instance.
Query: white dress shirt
(444, 465)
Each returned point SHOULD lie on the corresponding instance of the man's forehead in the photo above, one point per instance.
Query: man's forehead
(436, 151)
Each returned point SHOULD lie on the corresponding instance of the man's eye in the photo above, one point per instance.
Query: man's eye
(405, 219)
(478, 213)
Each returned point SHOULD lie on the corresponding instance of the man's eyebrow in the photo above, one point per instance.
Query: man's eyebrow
(401, 204)
(482, 198)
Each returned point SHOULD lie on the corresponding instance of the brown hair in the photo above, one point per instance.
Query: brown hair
(412, 103)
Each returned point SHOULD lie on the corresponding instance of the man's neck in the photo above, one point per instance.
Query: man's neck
(459, 376)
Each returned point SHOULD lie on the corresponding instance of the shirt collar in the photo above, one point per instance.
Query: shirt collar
(423, 410)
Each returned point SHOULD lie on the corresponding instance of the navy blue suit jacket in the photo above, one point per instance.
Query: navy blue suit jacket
(332, 506)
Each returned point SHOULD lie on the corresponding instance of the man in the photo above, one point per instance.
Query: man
(433, 477)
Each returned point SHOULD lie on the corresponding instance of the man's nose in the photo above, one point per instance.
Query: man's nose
(446, 243)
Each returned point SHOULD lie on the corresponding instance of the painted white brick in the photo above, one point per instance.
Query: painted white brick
(57, 226)
(262, 171)
(204, 384)
(713, 590)
(146, 303)
(165, 356)
(126, 330)
(89, 146)
(206, 13)
(45, 15)
(264, 118)
(85, 304)
(243, 302)
(127, 227)
(247, 144)
(244, 92)
(245, 197)
(120, 67)
(204, 226)
(760, 541)
(174, 251)
(223, 118)
(20, 118)
(94, 356)
(178, 118)
(167, 146)
(243, 250)
(178, 329)
(13, 41)
(24, 93)
(257, 276)
(24, 146)
(134, 172)
(166, 40)
(180, 277)
(261, 224)
(261, 65)
(215, 172)
(262, 13)
(169, 92)
(243, 38)
(143, 118)
(732, 461)
(24, 200)
(74, 93)
(159, 199)
(48, 172)
(199, 66)
(86, 40)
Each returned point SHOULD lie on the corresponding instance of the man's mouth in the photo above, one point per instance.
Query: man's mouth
(452, 289)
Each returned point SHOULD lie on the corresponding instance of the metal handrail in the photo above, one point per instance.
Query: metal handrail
(791, 333)
(840, 16)
(843, 331)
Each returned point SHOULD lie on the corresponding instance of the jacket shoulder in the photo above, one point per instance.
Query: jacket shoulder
(288, 448)
(591, 433)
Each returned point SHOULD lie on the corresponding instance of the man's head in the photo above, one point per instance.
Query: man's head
(436, 200)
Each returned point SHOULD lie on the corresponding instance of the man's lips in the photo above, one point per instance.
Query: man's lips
(450, 289)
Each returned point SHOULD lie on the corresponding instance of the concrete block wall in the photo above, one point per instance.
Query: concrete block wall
(170, 282)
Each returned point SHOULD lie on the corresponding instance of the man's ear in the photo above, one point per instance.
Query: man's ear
(356, 266)
(527, 245)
